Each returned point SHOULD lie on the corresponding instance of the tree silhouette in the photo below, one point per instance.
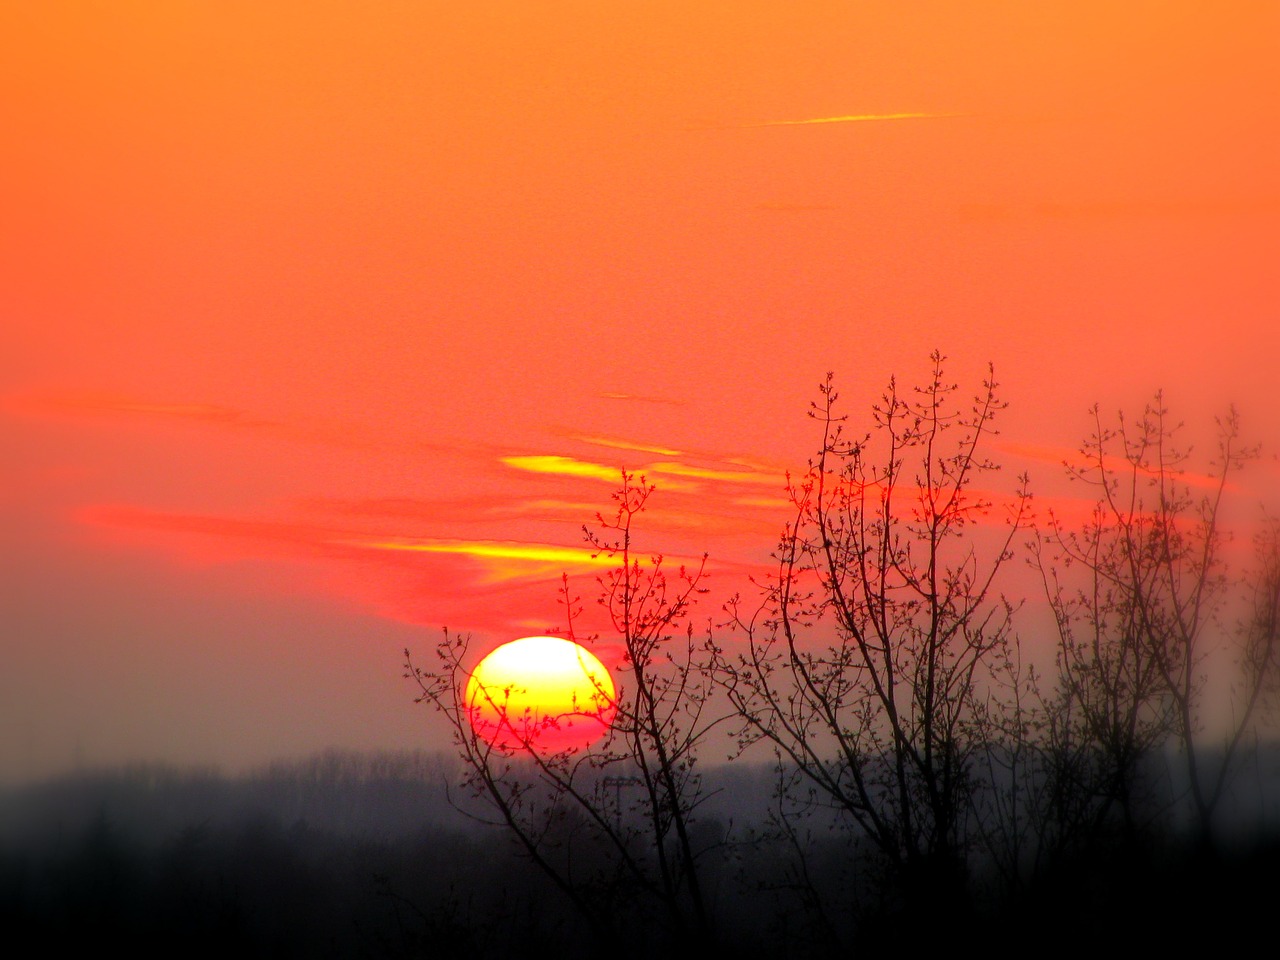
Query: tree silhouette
(1142, 595)
(878, 663)
(565, 809)
(868, 659)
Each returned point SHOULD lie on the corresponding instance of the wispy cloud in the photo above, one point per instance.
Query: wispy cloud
(617, 443)
(314, 429)
(538, 553)
(109, 404)
(503, 561)
(610, 395)
(853, 118)
(485, 509)
(667, 469)
(1065, 457)
(704, 473)
(291, 535)
(484, 584)
(564, 466)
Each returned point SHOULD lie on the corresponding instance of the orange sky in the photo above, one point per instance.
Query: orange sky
(326, 324)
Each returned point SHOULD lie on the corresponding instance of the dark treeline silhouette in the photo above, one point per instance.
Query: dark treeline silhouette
(361, 856)
(341, 854)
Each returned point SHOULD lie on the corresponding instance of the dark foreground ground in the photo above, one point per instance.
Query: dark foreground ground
(355, 856)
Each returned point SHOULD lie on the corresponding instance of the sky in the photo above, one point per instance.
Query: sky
(328, 325)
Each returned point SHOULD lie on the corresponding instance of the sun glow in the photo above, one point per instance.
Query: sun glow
(544, 694)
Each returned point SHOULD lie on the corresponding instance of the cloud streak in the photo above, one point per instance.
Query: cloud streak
(676, 475)
(728, 476)
(537, 553)
(670, 401)
(564, 466)
(852, 118)
(88, 403)
(617, 443)
(1074, 458)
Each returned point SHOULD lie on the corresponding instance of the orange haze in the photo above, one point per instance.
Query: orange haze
(329, 324)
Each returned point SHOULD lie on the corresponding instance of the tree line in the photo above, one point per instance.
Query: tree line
(925, 764)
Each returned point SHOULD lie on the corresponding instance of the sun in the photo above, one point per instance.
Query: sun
(544, 694)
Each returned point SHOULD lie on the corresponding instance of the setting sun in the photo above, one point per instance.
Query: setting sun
(542, 693)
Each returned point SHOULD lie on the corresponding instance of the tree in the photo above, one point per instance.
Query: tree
(1143, 597)
(867, 660)
(565, 809)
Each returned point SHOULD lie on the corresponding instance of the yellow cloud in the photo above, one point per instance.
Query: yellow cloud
(666, 469)
(506, 560)
(516, 560)
(564, 466)
(501, 550)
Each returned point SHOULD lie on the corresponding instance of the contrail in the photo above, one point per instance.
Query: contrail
(854, 118)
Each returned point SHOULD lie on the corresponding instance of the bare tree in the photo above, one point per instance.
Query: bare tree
(566, 809)
(1106, 709)
(1262, 650)
(1013, 798)
(1143, 597)
(866, 663)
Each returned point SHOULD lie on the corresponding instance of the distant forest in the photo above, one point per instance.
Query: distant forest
(363, 855)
